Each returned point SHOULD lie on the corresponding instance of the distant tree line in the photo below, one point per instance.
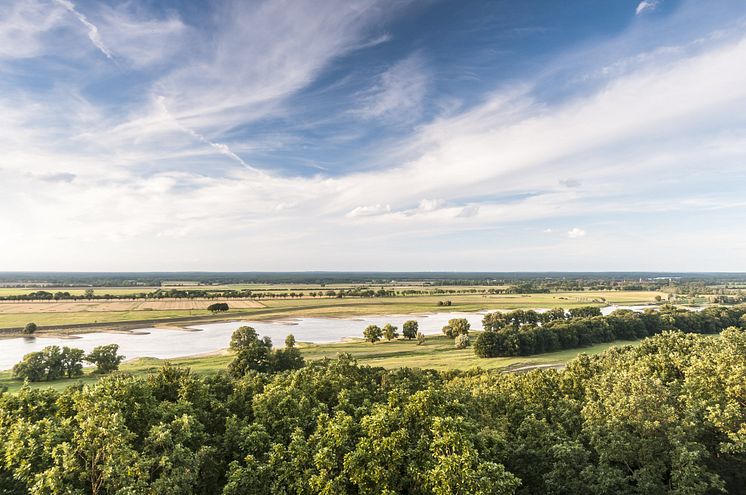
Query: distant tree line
(526, 332)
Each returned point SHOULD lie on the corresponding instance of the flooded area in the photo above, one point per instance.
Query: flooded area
(201, 339)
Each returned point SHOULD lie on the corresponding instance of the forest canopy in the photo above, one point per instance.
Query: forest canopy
(666, 416)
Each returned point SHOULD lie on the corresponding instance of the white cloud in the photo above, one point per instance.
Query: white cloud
(427, 205)
(468, 211)
(399, 92)
(646, 5)
(21, 27)
(575, 233)
(143, 41)
(93, 33)
(369, 211)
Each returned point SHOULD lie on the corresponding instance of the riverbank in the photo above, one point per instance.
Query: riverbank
(65, 323)
(436, 353)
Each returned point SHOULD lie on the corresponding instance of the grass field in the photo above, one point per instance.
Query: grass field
(333, 307)
(436, 353)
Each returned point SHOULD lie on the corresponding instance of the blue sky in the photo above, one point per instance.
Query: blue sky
(373, 135)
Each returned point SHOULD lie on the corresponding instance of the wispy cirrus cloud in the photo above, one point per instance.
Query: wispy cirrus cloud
(398, 93)
(477, 184)
(93, 33)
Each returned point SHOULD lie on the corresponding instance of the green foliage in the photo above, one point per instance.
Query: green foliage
(518, 333)
(390, 332)
(256, 354)
(218, 307)
(462, 341)
(665, 417)
(373, 333)
(106, 358)
(29, 328)
(51, 363)
(456, 327)
(410, 328)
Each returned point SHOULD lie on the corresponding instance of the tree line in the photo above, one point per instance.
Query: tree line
(664, 417)
(525, 332)
(53, 362)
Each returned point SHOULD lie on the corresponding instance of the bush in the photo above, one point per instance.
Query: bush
(420, 338)
(30, 328)
(462, 341)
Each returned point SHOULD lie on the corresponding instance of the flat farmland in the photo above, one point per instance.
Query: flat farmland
(117, 305)
(51, 313)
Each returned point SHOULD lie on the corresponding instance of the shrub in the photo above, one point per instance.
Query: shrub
(462, 341)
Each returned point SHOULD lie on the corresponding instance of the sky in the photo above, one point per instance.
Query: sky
(388, 135)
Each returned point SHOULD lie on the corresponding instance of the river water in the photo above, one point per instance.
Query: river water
(210, 337)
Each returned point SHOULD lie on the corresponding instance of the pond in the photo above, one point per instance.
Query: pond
(201, 339)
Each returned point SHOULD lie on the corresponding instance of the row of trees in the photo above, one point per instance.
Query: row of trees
(374, 333)
(664, 417)
(521, 333)
(53, 362)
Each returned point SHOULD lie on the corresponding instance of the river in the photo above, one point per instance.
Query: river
(201, 339)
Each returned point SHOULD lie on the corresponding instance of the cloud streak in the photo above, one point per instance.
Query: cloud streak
(93, 33)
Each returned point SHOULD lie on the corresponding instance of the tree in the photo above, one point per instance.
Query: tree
(488, 344)
(390, 331)
(372, 333)
(52, 356)
(410, 328)
(30, 328)
(32, 368)
(289, 358)
(106, 358)
(252, 353)
(456, 327)
(585, 312)
(218, 307)
(72, 361)
(420, 338)
(89, 293)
